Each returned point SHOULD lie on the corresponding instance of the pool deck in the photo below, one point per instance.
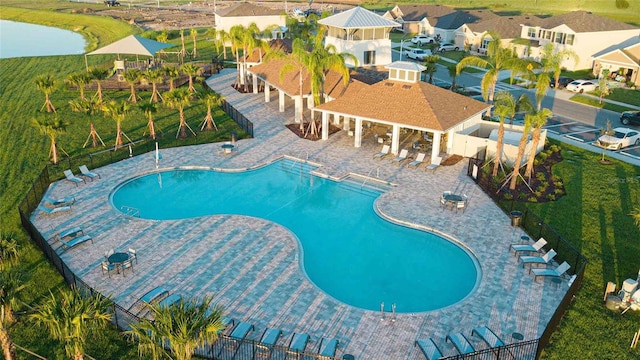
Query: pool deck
(250, 266)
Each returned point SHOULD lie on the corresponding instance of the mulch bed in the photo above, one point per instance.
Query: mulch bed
(295, 128)
(451, 160)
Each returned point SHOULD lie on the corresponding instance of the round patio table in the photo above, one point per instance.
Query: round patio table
(117, 259)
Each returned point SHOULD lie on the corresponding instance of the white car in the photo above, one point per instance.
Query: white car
(448, 47)
(417, 54)
(622, 137)
(422, 39)
(582, 85)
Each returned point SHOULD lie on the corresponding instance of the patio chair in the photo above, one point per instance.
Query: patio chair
(545, 259)
(86, 173)
(298, 343)
(107, 267)
(66, 201)
(74, 179)
(127, 264)
(518, 248)
(488, 336)
(429, 349)
(55, 210)
(554, 273)
(401, 157)
(75, 241)
(434, 164)
(328, 348)
(133, 254)
(108, 253)
(268, 339)
(419, 160)
(72, 232)
(169, 300)
(384, 152)
(241, 330)
(461, 343)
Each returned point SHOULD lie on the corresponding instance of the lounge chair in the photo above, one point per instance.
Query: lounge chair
(434, 164)
(86, 173)
(538, 259)
(328, 348)
(384, 152)
(268, 339)
(154, 295)
(461, 343)
(518, 248)
(72, 232)
(66, 201)
(488, 336)
(429, 349)
(298, 343)
(557, 272)
(55, 210)
(419, 160)
(401, 157)
(241, 330)
(74, 179)
(169, 300)
(75, 241)
(107, 267)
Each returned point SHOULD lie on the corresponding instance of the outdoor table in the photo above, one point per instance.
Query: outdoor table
(117, 259)
(227, 148)
(453, 199)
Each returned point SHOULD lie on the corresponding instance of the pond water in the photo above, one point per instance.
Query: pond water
(22, 40)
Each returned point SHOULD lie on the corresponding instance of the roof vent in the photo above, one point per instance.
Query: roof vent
(406, 87)
(388, 84)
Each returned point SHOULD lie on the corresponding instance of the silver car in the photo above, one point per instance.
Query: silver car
(621, 138)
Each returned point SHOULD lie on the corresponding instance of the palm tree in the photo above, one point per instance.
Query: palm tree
(80, 80)
(173, 73)
(183, 51)
(211, 99)
(636, 216)
(453, 73)
(194, 35)
(552, 60)
(498, 59)
(155, 77)
(149, 109)
(98, 75)
(243, 39)
(522, 145)
(222, 37)
(71, 318)
(89, 107)
(539, 119)
(132, 77)
(118, 112)
(179, 99)
(183, 326)
(542, 87)
(191, 70)
(11, 284)
(51, 127)
(47, 85)
(507, 105)
(430, 63)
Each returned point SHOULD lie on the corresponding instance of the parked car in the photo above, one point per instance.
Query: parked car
(582, 85)
(630, 117)
(622, 138)
(112, 3)
(422, 39)
(417, 54)
(448, 47)
(563, 81)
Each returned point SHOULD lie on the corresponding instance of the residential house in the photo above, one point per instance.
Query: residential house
(620, 62)
(418, 18)
(244, 13)
(447, 26)
(473, 35)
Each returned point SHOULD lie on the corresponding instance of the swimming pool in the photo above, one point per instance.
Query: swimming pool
(347, 250)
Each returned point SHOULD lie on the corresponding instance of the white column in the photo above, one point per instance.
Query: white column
(325, 125)
(336, 119)
(255, 83)
(345, 124)
(310, 102)
(435, 150)
(449, 141)
(267, 92)
(298, 107)
(281, 100)
(358, 133)
(395, 139)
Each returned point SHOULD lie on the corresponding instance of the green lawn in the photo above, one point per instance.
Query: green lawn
(596, 102)
(626, 96)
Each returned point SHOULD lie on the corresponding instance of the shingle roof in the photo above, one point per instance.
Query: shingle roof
(357, 18)
(419, 12)
(584, 21)
(419, 105)
(247, 9)
(507, 26)
(456, 19)
(406, 65)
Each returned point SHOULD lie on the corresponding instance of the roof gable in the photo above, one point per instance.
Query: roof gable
(456, 19)
(618, 56)
(247, 9)
(357, 18)
(584, 21)
(418, 12)
(509, 27)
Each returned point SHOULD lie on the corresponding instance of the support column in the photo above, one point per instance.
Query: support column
(254, 77)
(325, 125)
(310, 102)
(336, 119)
(298, 107)
(435, 150)
(281, 100)
(449, 141)
(346, 123)
(395, 139)
(267, 92)
(358, 133)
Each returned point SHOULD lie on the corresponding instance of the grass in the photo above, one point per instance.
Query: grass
(627, 96)
(596, 102)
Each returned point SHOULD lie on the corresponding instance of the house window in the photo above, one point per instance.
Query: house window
(558, 38)
(569, 39)
(485, 42)
(548, 35)
(369, 57)
(532, 32)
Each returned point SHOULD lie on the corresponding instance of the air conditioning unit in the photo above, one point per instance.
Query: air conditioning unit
(629, 286)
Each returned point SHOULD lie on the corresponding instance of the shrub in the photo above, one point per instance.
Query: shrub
(508, 196)
(558, 183)
(554, 148)
(558, 191)
(622, 4)
(551, 197)
(533, 199)
(540, 176)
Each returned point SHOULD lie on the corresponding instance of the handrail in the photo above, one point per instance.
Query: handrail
(130, 211)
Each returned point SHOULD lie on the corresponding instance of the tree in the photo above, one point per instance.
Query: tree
(179, 99)
(603, 89)
(498, 59)
(149, 109)
(607, 130)
(11, 284)
(98, 75)
(522, 145)
(80, 80)
(211, 99)
(222, 37)
(506, 105)
(71, 318)
(552, 60)
(118, 112)
(430, 63)
(155, 77)
(183, 51)
(183, 326)
(173, 73)
(243, 39)
(52, 127)
(132, 77)
(191, 70)
(635, 214)
(538, 120)
(194, 36)
(47, 85)
(89, 107)
(453, 73)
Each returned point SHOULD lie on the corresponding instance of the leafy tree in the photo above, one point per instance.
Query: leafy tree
(191, 70)
(51, 127)
(132, 77)
(118, 112)
(538, 120)
(149, 109)
(179, 99)
(71, 318)
(506, 105)
(98, 75)
(81, 80)
(155, 77)
(430, 63)
(11, 284)
(211, 99)
(552, 60)
(173, 73)
(183, 326)
(47, 85)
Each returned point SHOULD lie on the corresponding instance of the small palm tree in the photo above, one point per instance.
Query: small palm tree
(522, 145)
(191, 70)
(71, 318)
(222, 37)
(507, 105)
(155, 77)
(81, 80)
(607, 130)
(183, 51)
(89, 107)
(132, 77)
(51, 127)
(179, 99)
(149, 109)
(8, 251)
(47, 85)
(430, 63)
(98, 75)
(118, 112)
(453, 73)
(183, 326)
(194, 37)
(636, 216)
(11, 284)
(539, 119)
(173, 73)
(211, 99)
(552, 60)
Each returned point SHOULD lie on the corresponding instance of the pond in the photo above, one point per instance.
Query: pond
(23, 40)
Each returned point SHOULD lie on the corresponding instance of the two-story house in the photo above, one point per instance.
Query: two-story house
(418, 18)
(244, 13)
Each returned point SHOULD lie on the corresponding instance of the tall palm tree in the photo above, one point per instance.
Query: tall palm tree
(183, 51)
(191, 70)
(538, 120)
(507, 106)
(179, 99)
(211, 99)
(430, 63)
(71, 318)
(243, 39)
(542, 87)
(552, 60)
(98, 75)
(173, 73)
(47, 85)
(118, 112)
(194, 36)
(51, 127)
(453, 73)
(81, 80)
(183, 326)
(155, 77)
(222, 37)
(11, 284)
(132, 77)
(89, 107)
(149, 109)
(522, 145)
(498, 59)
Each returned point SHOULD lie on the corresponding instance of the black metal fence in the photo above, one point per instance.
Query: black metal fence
(237, 116)
(524, 350)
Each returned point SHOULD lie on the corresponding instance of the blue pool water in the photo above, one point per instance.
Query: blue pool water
(349, 251)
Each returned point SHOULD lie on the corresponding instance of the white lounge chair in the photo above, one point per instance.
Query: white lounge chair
(419, 160)
(517, 248)
(86, 173)
(429, 349)
(401, 157)
(434, 164)
(384, 152)
(538, 259)
(557, 272)
(74, 179)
